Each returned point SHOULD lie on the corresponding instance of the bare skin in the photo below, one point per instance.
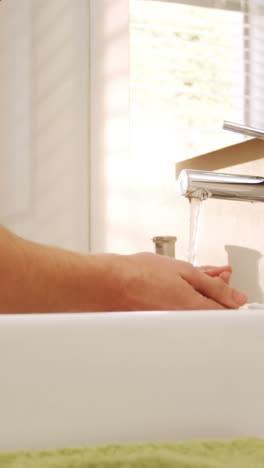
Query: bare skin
(39, 279)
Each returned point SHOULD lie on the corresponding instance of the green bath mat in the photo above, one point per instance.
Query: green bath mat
(222, 454)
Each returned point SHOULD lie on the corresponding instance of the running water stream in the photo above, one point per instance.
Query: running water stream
(195, 208)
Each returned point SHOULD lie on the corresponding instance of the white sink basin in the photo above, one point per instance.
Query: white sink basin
(68, 380)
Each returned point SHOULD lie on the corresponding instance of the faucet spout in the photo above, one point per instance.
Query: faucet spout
(244, 129)
(205, 184)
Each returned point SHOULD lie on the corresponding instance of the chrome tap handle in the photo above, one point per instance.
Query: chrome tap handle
(245, 130)
(165, 245)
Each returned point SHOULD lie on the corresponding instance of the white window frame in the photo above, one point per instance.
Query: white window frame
(232, 5)
(109, 120)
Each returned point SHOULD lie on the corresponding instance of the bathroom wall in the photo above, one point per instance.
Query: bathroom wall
(55, 162)
(15, 103)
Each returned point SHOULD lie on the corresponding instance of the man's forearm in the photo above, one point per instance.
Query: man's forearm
(38, 278)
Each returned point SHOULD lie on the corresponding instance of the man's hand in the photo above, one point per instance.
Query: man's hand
(157, 282)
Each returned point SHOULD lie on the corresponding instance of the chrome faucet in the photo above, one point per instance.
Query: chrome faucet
(203, 184)
(244, 129)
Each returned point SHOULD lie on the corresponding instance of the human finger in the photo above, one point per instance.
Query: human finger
(225, 276)
(215, 271)
(216, 289)
(194, 300)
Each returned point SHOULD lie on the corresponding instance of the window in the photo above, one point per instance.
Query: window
(190, 70)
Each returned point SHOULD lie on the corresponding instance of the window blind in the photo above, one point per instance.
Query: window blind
(195, 64)
(220, 4)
